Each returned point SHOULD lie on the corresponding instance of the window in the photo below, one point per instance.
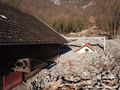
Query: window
(86, 50)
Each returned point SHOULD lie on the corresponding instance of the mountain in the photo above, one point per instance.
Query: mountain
(64, 11)
(54, 8)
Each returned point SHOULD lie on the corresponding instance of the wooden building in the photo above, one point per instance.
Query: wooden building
(25, 36)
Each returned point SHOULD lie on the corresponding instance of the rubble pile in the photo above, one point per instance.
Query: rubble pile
(72, 71)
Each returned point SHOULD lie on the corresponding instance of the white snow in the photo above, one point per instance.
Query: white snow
(4, 17)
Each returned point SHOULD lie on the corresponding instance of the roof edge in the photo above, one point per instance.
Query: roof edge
(88, 45)
(50, 27)
(26, 43)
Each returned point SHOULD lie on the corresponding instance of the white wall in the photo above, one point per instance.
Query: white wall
(83, 50)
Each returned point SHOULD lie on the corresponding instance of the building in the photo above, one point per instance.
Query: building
(85, 49)
(25, 36)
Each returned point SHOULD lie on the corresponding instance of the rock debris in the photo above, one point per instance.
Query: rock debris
(73, 71)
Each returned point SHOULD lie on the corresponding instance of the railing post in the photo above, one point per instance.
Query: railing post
(104, 43)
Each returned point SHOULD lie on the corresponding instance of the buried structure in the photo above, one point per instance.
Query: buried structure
(24, 36)
(85, 48)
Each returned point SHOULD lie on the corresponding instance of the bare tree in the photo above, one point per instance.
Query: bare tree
(111, 17)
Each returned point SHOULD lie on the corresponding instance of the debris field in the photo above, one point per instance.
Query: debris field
(86, 71)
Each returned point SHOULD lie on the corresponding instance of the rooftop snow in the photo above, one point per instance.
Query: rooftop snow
(4, 17)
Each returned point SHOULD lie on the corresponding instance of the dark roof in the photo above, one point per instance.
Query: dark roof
(17, 26)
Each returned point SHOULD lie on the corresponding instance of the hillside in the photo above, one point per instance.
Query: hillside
(57, 9)
(74, 15)
(65, 11)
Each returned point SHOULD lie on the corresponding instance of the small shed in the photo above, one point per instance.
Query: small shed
(85, 48)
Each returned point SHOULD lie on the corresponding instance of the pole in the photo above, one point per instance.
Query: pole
(104, 43)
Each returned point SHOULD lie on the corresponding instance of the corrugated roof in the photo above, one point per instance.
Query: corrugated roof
(19, 27)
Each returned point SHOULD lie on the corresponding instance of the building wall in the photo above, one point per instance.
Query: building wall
(83, 50)
(41, 52)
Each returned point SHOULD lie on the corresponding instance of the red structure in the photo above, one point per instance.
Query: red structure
(12, 80)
